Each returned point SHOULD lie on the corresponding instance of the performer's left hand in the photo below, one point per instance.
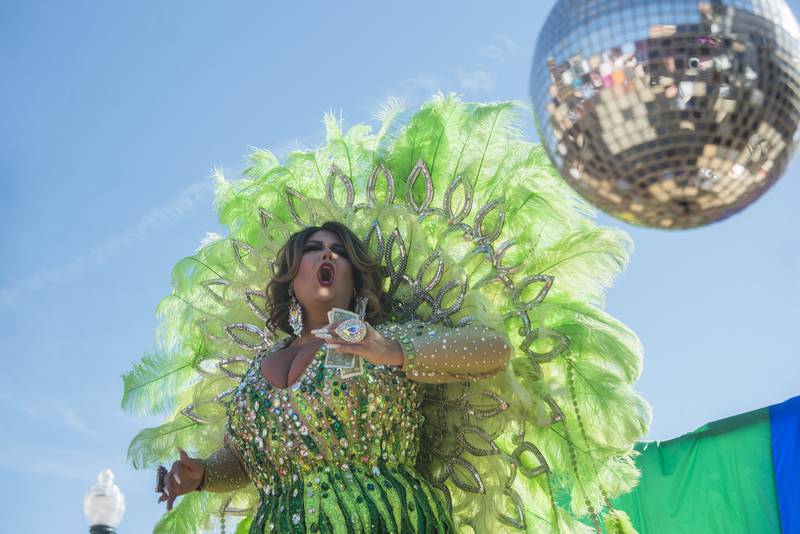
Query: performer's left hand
(374, 348)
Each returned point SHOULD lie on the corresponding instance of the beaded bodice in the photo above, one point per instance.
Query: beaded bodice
(339, 455)
(323, 421)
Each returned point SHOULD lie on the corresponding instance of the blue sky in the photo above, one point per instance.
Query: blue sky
(114, 115)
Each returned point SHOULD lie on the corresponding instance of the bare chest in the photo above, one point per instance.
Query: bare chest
(284, 367)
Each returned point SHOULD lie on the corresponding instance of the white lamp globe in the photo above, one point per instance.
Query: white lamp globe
(104, 504)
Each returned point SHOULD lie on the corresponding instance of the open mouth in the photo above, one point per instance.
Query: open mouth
(325, 275)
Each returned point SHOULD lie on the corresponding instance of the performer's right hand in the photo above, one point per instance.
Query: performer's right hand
(185, 477)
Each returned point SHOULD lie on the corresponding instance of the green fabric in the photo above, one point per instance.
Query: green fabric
(718, 479)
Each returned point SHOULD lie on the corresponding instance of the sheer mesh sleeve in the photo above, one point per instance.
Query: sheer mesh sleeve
(435, 353)
(224, 470)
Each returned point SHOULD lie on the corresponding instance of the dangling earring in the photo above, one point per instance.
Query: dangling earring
(295, 314)
(361, 304)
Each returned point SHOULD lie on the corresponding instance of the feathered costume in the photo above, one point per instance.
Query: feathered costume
(474, 227)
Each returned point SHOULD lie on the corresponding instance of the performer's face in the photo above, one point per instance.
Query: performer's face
(325, 277)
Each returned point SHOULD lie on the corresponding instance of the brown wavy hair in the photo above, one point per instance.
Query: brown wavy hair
(367, 275)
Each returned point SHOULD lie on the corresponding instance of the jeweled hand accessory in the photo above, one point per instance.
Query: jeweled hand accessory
(338, 358)
(352, 330)
(322, 333)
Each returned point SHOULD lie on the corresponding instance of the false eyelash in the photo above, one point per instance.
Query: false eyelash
(339, 251)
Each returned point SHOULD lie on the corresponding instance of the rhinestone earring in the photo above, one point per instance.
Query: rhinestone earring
(295, 314)
(361, 304)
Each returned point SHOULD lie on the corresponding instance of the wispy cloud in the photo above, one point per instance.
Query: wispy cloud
(49, 409)
(47, 461)
(477, 80)
(153, 221)
(424, 82)
(475, 77)
(71, 419)
(27, 409)
(306, 142)
(500, 49)
(480, 78)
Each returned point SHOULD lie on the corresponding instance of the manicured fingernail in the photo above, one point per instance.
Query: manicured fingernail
(177, 478)
(166, 490)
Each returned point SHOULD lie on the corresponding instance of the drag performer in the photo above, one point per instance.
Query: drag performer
(403, 332)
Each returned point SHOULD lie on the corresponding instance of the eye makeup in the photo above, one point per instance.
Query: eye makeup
(338, 248)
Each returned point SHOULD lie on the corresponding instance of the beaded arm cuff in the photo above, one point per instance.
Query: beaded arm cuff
(434, 353)
(408, 350)
(223, 471)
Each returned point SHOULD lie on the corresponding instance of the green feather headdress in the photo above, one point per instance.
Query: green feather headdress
(472, 224)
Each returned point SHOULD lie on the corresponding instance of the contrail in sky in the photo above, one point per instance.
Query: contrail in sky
(156, 219)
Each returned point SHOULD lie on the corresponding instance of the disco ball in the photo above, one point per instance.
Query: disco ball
(671, 114)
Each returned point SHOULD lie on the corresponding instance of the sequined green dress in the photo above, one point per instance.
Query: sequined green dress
(337, 455)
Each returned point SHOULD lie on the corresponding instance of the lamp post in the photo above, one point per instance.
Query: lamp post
(104, 505)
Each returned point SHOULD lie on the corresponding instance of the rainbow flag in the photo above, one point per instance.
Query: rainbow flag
(737, 475)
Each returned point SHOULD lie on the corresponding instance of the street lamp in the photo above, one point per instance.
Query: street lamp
(104, 505)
